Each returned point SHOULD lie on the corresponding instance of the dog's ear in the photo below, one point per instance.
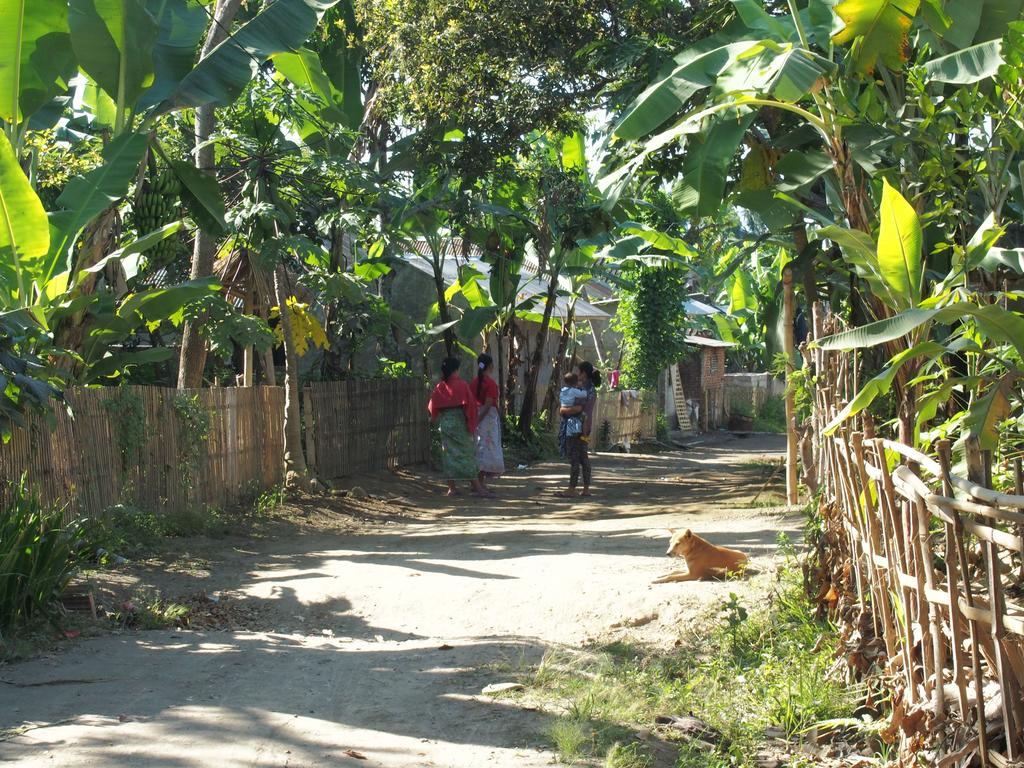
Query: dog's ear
(688, 534)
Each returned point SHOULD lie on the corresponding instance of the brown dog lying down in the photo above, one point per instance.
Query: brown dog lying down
(703, 558)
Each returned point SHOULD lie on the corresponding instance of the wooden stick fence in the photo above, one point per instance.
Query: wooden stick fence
(924, 569)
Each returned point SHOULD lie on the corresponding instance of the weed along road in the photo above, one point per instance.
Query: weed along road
(373, 646)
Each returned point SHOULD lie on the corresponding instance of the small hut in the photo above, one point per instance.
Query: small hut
(698, 385)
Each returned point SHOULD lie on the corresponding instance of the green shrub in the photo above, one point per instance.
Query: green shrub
(38, 558)
(661, 427)
(771, 416)
(131, 532)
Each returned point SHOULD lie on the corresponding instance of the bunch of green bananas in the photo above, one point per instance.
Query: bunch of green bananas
(157, 204)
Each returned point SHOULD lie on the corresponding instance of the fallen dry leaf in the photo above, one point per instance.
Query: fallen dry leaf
(356, 755)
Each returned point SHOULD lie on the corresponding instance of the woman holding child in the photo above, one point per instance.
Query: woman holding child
(577, 400)
(454, 407)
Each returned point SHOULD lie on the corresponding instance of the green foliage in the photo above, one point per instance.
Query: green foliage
(476, 67)
(653, 324)
(147, 609)
(194, 420)
(38, 558)
(771, 416)
(129, 532)
(661, 426)
(128, 413)
(269, 501)
(28, 383)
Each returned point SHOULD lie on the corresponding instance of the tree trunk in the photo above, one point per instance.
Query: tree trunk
(295, 470)
(442, 306)
(551, 397)
(193, 346)
(536, 361)
(97, 241)
(511, 366)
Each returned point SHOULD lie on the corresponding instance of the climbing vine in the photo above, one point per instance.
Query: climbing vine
(128, 413)
(652, 321)
(194, 419)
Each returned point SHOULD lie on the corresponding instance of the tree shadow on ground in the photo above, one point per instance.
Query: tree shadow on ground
(176, 699)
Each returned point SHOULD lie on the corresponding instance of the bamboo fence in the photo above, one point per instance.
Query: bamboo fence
(923, 569)
(159, 449)
(151, 448)
(630, 416)
(358, 426)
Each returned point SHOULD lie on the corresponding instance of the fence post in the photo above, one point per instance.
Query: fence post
(792, 493)
(310, 432)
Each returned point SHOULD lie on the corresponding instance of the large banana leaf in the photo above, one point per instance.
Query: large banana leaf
(101, 108)
(181, 25)
(202, 195)
(304, 70)
(35, 55)
(996, 16)
(899, 248)
(756, 18)
(784, 71)
(877, 30)
(86, 196)
(24, 237)
(1000, 325)
(882, 382)
(129, 255)
(113, 41)
(658, 239)
(706, 165)
(157, 304)
(220, 77)
(692, 70)
(968, 65)
(1011, 258)
(343, 64)
(987, 411)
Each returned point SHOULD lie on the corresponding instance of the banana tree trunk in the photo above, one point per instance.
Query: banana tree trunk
(551, 397)
(98, 240)
(296, 473)
(442, 307)
(193, 346)
(536, 361)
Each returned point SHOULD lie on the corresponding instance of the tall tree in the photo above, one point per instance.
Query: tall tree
(193, 346)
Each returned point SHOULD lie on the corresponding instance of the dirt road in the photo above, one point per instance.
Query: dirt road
(376, 644)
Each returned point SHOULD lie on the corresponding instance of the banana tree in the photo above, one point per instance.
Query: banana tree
(928, 328)
(800, 97)
(138, 61)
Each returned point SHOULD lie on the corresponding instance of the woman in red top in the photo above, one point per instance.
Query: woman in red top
(453, 406)
(489, 456)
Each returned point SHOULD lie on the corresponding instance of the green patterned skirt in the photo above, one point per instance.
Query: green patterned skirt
(458, 447)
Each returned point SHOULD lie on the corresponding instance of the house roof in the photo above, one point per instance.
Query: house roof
(704, 341)
(698, 308)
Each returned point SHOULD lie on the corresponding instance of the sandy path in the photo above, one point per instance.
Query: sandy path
(383, 639)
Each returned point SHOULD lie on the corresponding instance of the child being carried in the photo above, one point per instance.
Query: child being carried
(570, 396)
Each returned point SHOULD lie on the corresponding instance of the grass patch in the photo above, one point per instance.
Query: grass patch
(752, 669)
(129, 532)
